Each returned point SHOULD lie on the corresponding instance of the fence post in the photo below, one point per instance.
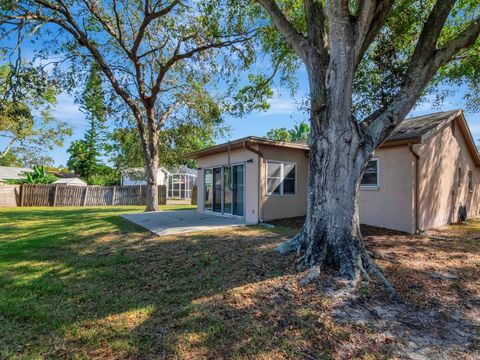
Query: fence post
(55, 195)
(84, 200)
(113, 195)
(21, 194)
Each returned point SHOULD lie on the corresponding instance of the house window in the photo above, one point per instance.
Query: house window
(370, 175)
(470, 181)
(281, 178)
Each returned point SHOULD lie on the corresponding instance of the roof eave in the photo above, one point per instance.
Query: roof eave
(239, 143)
(401, 142)
(472, 148)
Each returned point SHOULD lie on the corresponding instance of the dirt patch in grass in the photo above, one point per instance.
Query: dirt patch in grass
(89, 285)
(437, 276)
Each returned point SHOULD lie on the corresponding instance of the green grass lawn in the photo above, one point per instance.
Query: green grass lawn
(83, 283)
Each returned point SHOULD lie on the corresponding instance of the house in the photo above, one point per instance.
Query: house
(426, 175)
(137, 176)
(179, 181)
(13, 173)
(70, 181)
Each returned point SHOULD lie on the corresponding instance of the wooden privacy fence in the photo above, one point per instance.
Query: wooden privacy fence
(9, 195)
(64, 195)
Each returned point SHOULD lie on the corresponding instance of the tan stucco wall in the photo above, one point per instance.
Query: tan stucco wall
(391, 204)
(251, 178)
(439, 192)
(286, 206)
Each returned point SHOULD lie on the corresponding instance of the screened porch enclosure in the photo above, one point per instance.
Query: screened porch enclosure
(179, 186)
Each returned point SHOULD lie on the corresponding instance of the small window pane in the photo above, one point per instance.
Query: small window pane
(371, 167)
(273, 185)
(274, 169)
(289, 171)
(289, 186)
(370, 176)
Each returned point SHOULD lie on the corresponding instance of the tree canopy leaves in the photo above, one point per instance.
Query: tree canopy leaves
(27, 98)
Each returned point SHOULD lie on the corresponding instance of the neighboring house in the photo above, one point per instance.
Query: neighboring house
(137, 176)
(426, 175)
(13, 173)
(179, 181)
(70, 181)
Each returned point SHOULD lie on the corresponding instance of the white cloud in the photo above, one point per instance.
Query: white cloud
(282, 104)
(66, 110)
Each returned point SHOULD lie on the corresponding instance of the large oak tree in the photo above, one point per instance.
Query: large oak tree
(373, 58)
(159, 56)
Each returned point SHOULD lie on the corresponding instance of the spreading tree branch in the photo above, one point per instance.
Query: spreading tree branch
(371, 16)
(291, 35)
(419, 74)
(315, 18)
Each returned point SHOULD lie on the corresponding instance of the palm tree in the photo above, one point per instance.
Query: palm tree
(300, 131)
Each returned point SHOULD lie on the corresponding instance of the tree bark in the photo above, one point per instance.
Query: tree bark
(152, 186)
(338, 154)
(331, 234)
(149, 141)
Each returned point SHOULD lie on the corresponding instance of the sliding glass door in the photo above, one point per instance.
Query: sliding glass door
(224, 190)
(217, 189)
(237, 189)
(227, 189)
(208, 180)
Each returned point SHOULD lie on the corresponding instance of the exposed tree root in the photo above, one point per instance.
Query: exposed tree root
(352, 270)
(311, 276)
(294, 244)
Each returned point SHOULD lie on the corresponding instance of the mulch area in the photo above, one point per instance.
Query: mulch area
(437, 278)
(297, 223)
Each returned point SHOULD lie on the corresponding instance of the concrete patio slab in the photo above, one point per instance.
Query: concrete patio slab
(182, 221)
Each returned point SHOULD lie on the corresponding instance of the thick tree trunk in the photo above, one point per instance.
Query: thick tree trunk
(331, 234)
(152, 186)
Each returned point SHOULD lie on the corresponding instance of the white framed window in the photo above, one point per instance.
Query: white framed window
(281, 178)
(370, 178)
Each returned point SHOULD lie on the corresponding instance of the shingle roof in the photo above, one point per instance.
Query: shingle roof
(13, 173)
(412, 130)
(417, 127)
(420, 127)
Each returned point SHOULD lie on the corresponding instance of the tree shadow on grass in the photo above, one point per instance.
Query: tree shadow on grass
(99, 288)
(86, 289)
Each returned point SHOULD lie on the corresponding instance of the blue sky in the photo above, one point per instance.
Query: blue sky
(284, 112)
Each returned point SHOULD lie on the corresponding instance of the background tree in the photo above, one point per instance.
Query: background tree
(93, 103)
(39, 175)
(175, 143)
(27, 98)
(280, 134)
(299, 132)
(85, 154)
(10, 160)
(384, 52)
(158, 56)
